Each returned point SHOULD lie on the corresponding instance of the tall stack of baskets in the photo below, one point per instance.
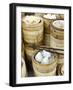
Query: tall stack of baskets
(48, 19)
(57, 40)
(32, 28)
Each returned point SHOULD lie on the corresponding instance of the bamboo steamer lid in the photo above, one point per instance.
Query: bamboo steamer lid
(32, 29)
(44, 68)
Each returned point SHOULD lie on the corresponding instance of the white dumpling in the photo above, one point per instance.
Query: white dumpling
(45, 60)
(31, 19)
(39, 57)
(50, 16)
(46, 54)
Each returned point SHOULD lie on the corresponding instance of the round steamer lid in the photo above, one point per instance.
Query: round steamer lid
(58, 24)
(31, 20)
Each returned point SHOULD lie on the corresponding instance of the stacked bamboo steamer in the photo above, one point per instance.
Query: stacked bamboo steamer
(57, 34)
(48, 19)
(43, 67)
(23, 65)
(22, 49)
(39, 14)
(32, 34)
(60, 70)
(23, 68)
(57, 40)
(29, 53)
(32, 30)
(62, 16)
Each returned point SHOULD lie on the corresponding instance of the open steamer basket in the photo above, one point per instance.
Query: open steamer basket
(47, 69)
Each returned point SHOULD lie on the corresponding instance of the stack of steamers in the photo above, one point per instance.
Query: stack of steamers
(42, 30)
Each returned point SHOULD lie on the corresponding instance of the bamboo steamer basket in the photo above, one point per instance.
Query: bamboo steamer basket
(39, 14)
(47, 22)
(44, 68)
(58, 17)
(60, 69)
(57, 34)
(33, 31)
(60, 56)
(60, 59)
(23, 68)
(60, 63)
(23, 65)
(22, 50)
(57, 41)
(37, 73)
(47, 39)
(62, 16)
(29, 51)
